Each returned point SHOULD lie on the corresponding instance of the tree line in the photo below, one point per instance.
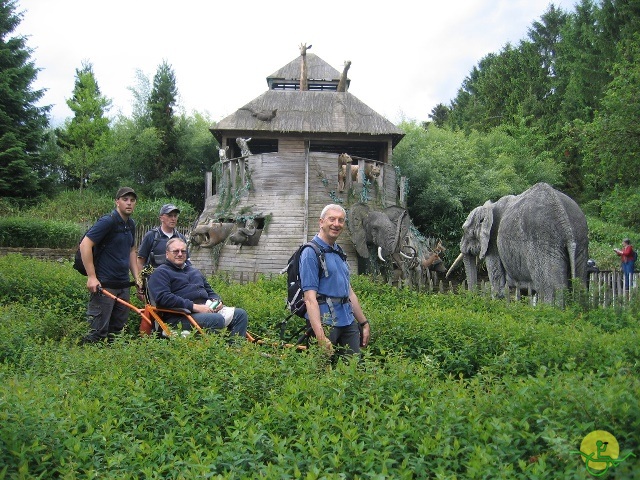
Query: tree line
(159, 149)
(561, 106)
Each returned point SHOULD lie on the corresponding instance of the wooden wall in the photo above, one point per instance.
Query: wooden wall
(278, 183)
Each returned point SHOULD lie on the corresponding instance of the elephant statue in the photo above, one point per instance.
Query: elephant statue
(384, 229)
(209, 234)
(536, 240)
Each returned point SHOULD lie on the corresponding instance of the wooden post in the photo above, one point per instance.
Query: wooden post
(232, 175)
(208, 184)
(403, 191)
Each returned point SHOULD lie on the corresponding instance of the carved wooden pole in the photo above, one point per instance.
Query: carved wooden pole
(342, 84)
(304, 85)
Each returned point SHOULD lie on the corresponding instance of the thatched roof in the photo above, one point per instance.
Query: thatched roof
(309, 112)
(317, 69)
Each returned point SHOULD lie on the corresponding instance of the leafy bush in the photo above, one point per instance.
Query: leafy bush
(33, 233)
(452, 386)
(87, 206)
(29, 281)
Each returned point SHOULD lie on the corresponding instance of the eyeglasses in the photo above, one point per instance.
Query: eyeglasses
(178, 252)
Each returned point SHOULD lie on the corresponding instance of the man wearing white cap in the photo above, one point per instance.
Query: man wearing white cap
(153, 246)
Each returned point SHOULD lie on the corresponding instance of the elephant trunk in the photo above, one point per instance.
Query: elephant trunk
(471, 270)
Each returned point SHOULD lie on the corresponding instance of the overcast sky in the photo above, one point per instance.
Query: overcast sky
(407, 56)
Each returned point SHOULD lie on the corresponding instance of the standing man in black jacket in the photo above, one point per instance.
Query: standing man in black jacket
(112, 238)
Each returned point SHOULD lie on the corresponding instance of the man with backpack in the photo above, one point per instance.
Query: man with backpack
(628, 258)
(330, 301)
(108, 254)
(153, 246)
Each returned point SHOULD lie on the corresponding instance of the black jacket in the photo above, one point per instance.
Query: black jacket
(172, 287)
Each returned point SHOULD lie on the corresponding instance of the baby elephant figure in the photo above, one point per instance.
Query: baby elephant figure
(244, 147)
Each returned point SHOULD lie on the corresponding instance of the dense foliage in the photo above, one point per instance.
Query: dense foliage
(22, 123)
(451, 387)
(573, 83)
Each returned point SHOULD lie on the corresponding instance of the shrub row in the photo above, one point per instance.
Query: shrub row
(459, 334)
(198, 408)
(85, 207)
(34, 233)
(453, 386)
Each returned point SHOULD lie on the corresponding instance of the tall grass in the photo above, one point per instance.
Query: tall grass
(452, 386)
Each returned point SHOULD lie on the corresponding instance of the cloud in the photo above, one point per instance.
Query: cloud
(407, 56)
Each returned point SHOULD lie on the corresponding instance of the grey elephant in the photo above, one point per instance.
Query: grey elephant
(385, 229)
(537, 239)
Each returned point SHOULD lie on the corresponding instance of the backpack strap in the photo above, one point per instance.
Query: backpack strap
(320, 252)
(321, 258)
(107, 237)
(156, 239)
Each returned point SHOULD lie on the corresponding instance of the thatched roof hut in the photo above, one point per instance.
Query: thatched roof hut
(267, 201)
(322, 112)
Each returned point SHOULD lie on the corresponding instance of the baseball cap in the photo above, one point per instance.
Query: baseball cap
(125, 191)
(168, 208)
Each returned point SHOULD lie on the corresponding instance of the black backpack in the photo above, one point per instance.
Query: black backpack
(97, 249)
(295, 295)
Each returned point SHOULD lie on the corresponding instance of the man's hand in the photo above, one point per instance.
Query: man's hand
(202, 308)
(325, 343)
(366, 334)
(93, 283)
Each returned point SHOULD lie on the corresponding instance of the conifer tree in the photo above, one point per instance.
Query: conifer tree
(162, 103)
(81, 137)
(22, 124)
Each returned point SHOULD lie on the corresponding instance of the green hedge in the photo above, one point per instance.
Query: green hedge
(36, 233)
(87, 206)
(199, 409)
(452, 386)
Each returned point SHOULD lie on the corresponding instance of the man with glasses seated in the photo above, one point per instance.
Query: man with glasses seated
(178, 285)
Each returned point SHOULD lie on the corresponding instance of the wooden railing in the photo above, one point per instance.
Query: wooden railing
(605, 289)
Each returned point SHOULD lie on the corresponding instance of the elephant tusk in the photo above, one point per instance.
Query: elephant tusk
(410, 257)
(455, 263)
(380, 254)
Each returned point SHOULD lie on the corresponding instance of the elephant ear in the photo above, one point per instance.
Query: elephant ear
(485, 228)
(400, 219)
(357, 216)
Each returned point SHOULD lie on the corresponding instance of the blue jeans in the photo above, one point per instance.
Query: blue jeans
(215, 321)
(627, 269)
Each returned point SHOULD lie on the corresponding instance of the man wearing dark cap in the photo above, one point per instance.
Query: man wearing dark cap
(108, 254)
